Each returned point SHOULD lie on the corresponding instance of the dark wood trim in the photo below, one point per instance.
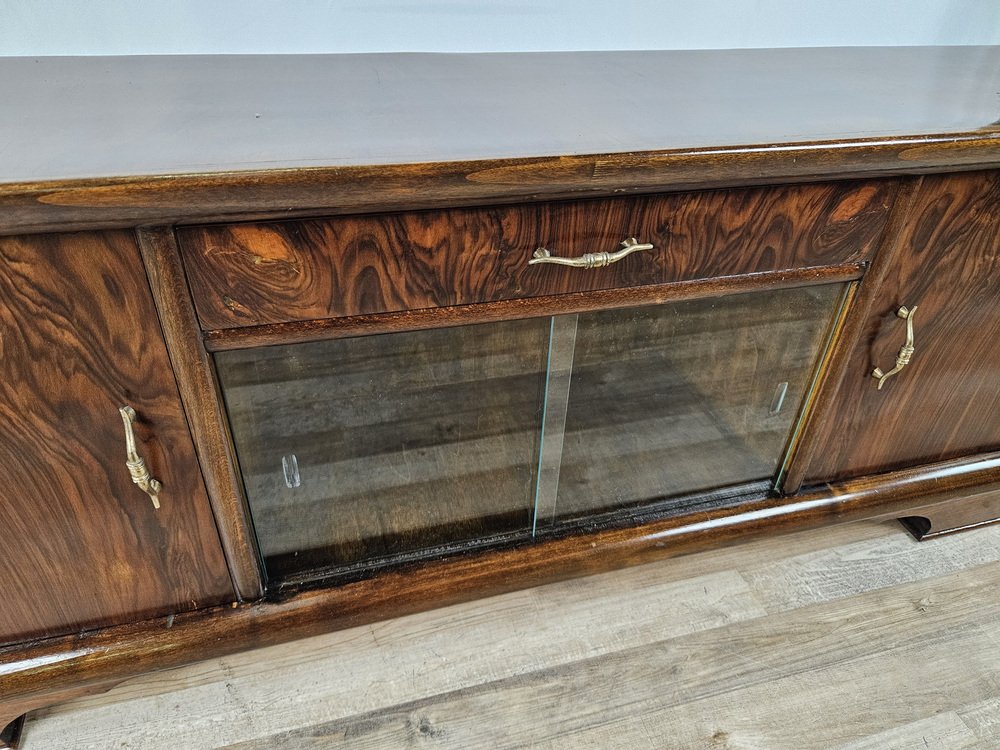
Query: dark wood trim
(10, 735)
(38, 673)
(107, 202)
(822, 372)
(14, 707)
(979, 509)
(847, 336)
(487, 312)
(199, 391)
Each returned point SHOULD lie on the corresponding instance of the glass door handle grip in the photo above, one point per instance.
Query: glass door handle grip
(135, 463)
(905, 351)
(590, 260)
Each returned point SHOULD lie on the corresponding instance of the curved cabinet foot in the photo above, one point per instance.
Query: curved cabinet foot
(12, 713)
(10, 735)
(955, 515)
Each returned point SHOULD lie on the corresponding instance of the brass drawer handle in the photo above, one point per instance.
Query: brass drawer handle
(905, 352)
(135, 463)
(590, 260)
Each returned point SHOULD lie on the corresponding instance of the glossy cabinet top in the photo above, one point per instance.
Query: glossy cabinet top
(74, 118)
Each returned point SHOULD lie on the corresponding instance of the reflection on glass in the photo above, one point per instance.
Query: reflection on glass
(686, 397)
(381, 448)
(559, 372)
(374, 447)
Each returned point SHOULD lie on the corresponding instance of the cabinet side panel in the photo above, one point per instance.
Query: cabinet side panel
(946, 402)
(82, 546)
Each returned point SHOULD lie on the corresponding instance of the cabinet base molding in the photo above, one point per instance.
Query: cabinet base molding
(970, 512)
(15, 706)
(10, 735)
(47, 672)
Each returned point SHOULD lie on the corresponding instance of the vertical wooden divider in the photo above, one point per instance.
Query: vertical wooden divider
(845, 339)
(202, 401)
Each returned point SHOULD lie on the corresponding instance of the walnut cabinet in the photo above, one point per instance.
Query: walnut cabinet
(243, 403)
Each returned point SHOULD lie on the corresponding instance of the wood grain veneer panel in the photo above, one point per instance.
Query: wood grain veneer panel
(254, 274)
(822, 403)
(82, 547)
(946, 403)
(202, 401)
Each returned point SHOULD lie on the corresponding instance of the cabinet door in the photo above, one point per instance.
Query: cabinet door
(82, 546)
(946, 402)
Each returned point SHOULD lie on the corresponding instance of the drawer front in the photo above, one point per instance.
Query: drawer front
(265, 273)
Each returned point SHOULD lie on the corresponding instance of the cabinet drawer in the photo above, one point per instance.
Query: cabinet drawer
(253, 274)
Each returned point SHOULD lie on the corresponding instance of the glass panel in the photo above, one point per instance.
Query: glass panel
(686, 397)
(372, 448)
(562, 343)
(377, 449)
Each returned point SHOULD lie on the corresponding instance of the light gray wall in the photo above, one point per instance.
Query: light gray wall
(125, 27)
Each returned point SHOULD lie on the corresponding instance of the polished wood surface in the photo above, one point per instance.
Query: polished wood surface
(260, 195)
(256, 274)
(973, 510)
(226, 339)
(82, 546)
(823, 405)
(29, 673)
(196, 381)
(946, 402)
(195, 114)
(851, 637)
(184, 138)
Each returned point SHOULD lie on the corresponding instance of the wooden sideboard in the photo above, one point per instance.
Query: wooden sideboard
(389, 332)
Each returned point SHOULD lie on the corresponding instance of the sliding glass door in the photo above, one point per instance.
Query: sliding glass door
(378, 449)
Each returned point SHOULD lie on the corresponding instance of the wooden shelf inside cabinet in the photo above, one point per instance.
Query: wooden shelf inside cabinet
(375, 372)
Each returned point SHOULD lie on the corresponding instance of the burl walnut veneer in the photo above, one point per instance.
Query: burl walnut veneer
(255, 253)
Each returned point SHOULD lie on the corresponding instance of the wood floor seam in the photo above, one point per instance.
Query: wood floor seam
(942, 634)
(693, 658)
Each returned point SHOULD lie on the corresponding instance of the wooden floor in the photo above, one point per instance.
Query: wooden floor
(851, 637)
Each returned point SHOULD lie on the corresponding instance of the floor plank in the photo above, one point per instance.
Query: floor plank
(983, 719)
(852, 637)
(753, 682)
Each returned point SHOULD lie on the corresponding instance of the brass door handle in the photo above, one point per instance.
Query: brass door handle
(905, 351)
(135, 463)
(590, 260)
